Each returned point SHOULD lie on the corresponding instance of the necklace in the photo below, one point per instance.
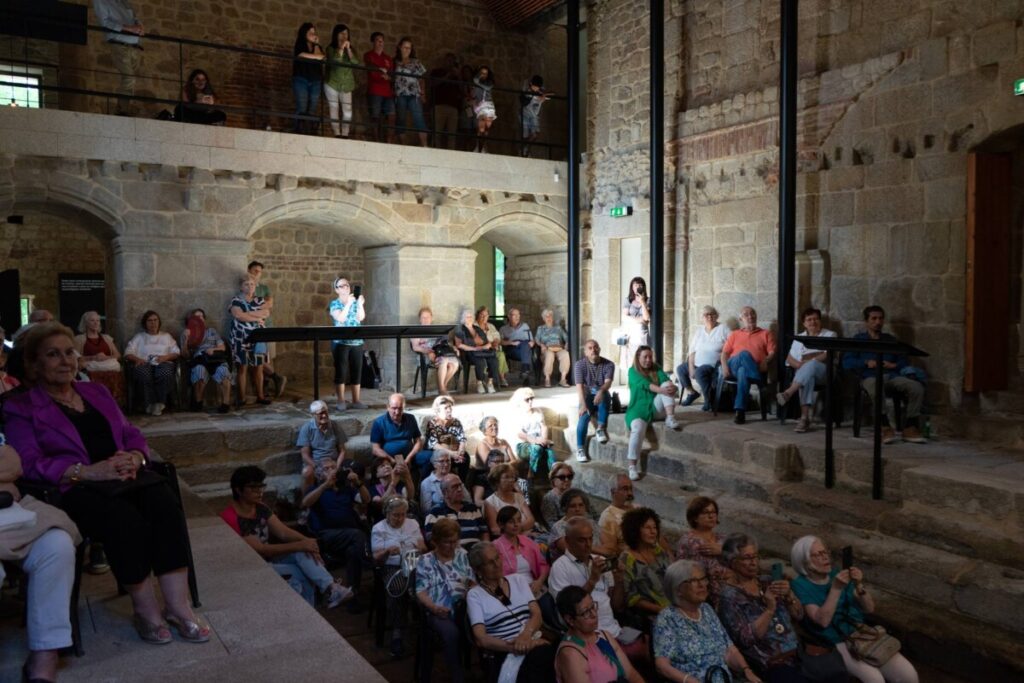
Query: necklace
(689, 616)
(72, 402)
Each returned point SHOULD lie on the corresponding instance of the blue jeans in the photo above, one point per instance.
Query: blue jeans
(705, 374)
(745, 371)
(307, 99)
(523, 352)
(603, 408)
(303, 573)
(410, 104)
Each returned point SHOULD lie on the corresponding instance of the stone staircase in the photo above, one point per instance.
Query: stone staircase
(944, 549)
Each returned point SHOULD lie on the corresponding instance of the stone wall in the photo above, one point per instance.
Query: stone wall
(534, 282)
(45, 246)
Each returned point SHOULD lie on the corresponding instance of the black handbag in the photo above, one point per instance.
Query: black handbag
(443, 348)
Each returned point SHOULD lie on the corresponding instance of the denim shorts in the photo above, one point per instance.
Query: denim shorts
(379, 104)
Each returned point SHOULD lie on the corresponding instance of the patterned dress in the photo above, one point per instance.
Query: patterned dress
(692, 645)
(739, 610)
(243, 353)
(644, 581)
(445, 582)
(689, 549)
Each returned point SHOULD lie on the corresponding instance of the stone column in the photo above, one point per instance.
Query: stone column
(403, 279)
(171, 276)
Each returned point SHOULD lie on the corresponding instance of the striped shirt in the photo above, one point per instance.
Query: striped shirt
(500, 620)
(593, 375)
(471, 522)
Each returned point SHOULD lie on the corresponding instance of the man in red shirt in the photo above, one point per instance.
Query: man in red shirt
(746, 355)
(379, 95)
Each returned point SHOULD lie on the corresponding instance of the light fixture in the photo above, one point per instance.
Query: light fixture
(558, 177)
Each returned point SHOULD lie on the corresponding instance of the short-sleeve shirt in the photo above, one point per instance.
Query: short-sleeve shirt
(501, 621)
(568, 571)
(635, 309)
(351, 320)
(307, 68)
(552, 336)
(471, 522)
(263, 292)
(210, 340)
(395, 439)
(258, 526)
(445, 582)
(324, 445)
(706, 347)
(846, 615)
(759, 343)
(644, 581)
(465, 335)
(593, 375)
(335, 509)
(406, 537)
(376, 84)
(520, 332)
(559, 529)
(611, 523)
(691, 646)
(689, 548)
(435, 431)
(798, 350)
(405, 81)
(739, 610)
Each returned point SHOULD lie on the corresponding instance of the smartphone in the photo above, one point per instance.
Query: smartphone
(358, 291)
(777, 571)
(847, 557)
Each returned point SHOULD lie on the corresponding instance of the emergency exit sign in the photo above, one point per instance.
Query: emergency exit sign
(1018, 86)
(620, 211)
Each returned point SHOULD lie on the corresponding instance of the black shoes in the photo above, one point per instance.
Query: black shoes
(741, 417)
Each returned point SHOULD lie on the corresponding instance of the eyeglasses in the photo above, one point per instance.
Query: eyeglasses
(821, 554)
(709, 513)
(343, 285)
(564, 477)
(748, 558)
(702, 580)
(589, 612)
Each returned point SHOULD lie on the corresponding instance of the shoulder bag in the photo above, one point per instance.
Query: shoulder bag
(872, 644)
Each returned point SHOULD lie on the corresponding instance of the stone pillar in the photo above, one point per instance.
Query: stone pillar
(403, 279)
(170, 276)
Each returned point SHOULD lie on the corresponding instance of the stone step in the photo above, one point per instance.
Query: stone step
(285, 488)
(1002, 429)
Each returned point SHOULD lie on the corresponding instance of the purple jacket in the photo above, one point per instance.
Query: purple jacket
(47, 441)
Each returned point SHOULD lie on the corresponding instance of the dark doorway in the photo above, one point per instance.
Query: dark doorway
(10, 301)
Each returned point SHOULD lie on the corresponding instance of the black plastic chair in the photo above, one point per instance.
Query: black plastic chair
(861, 395)
(763, 390)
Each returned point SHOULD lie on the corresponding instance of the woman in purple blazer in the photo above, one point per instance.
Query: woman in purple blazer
(73, 435)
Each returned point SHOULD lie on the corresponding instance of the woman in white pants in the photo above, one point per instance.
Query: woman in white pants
(45, 550)
(810, 369)
(341, 80)
(651, 398)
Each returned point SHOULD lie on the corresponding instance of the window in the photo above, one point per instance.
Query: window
(19, 86)
(26, 307)
(499, 283)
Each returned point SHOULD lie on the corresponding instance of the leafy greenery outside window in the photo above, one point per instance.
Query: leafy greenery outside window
(499, 283)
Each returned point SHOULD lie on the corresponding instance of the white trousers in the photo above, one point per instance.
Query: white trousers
(50, 565)
(663, 405)
(334, 97)
(896, 670)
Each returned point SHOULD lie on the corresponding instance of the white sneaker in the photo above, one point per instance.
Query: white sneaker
(340, 406)
(480, 388)
(602, 435)
(581, 455)
(338, 595)
(158, 409)
(490, 387)
(149, 409)
(672, 423)
(634, 474)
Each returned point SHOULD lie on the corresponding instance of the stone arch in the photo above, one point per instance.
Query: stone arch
(70, 197)
(521, 228)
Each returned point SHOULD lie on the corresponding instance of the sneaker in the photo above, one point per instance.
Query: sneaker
(913, 435)
(158, 409)
(581, 455)
(672, 423)
(97, 560)
(602, 435)
(358, 405)
(889, 435)
(803, 425)
(781, 398)
(741, 417)
(691, 396)
(634, 474)
(338, 594)
(480, 388)
(340, 406)
(490, 387)
(503, 382)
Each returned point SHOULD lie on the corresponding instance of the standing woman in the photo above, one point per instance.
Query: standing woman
(483, 106)
(153, 354)
(636, 313)
(410, 95)
(347, 310)
(248, 314)
(341, 80)
(98, 356)
(306, 76)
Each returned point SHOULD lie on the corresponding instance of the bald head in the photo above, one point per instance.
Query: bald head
(396, 407)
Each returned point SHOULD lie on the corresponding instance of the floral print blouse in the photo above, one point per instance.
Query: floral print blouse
(644, 581)
(689, 549)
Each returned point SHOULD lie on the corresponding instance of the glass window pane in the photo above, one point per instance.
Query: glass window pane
(499, 283)
(18, 91)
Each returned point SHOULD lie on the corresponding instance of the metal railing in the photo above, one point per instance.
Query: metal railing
(265, 94)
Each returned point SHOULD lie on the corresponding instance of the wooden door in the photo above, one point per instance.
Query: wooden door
(987, 318)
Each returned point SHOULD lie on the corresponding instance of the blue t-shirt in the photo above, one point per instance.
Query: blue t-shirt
(323, 446)
(335, 509)
(395, 439)
(351, 320)
(847, 612)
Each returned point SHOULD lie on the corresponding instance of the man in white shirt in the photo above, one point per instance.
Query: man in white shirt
(702, 363)
(810, 368)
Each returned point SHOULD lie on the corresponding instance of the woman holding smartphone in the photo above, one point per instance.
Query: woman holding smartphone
(348, 310)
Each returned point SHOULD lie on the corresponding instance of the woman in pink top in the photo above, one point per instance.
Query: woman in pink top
(587, 655)
(519, 553)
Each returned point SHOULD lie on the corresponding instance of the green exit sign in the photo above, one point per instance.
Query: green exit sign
(620, 211)
(1018, 86)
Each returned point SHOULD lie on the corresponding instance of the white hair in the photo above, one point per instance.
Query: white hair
(678, 572)
(800, 555)
(316, 406)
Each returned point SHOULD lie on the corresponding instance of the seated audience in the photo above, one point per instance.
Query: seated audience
(575, 503)
(553, 342)
(472, 527)
(248, 313)
(561, 476)
(443, 433)
(197, 100)
(588, 653)
(689, 640)
(702, 363)
(292, 555)
(207, 356)
(758, 615)
(483, 321)
(45, 551)
(593, 376)
(893, 379)
(443, 577)
(392, 480)
(535, 444)
(519, 554)
(395, 434)
(703, 544)
(651, 397)
(503, 481)
(602, 579)
(98, 356)
(835, 601)
(334, 518)
(810, 369)
(430, 488)
(518, 341)
(505, 618)
(390, 539)
(747, 355)
(491, 451)
(621, 489)
(7, 382)
(644, 563)
(152, 354)
(38, 315)
(472, 340)
(72, 435)
(439, 354)
(320, 440)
